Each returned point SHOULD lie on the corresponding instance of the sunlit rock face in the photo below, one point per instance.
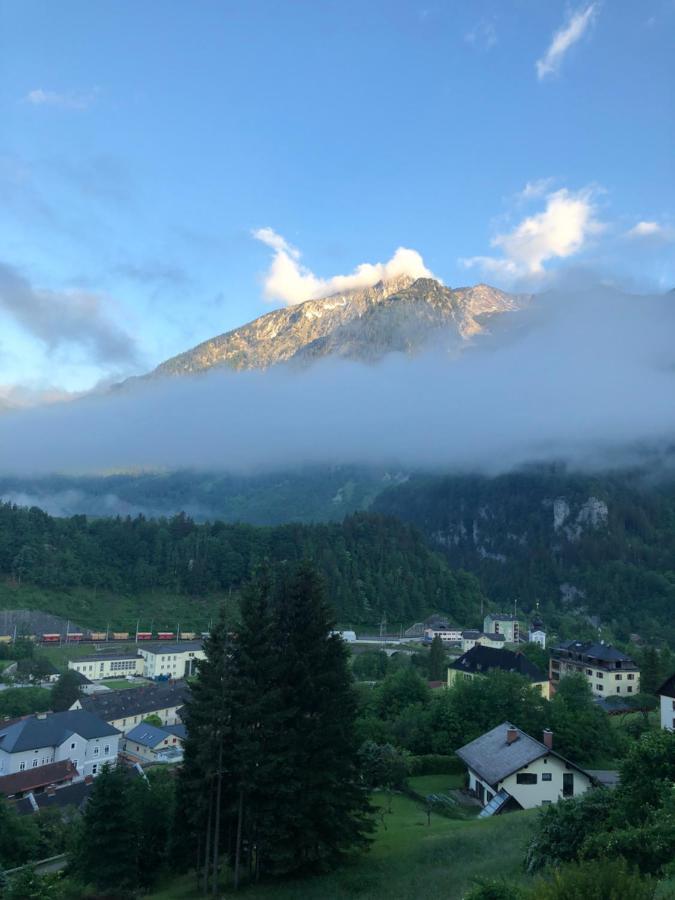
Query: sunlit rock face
(400, 315)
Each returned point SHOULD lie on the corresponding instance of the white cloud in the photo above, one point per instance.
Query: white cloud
(557, 232)
(651, 230)
(536, 188)
(291, 282)
(565, 38)
(40, 97)
(484, 35)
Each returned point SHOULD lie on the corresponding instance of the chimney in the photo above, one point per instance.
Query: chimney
(511, 734)
(548, 738)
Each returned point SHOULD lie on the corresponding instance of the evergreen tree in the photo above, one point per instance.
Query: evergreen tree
(322, 809)
(66, 690)
(106, 854)
(438, 664)
(650, 671)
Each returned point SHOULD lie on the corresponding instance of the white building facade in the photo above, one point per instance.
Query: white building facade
(667, 704)
(108, 665)
(39, 740)
(171, 660)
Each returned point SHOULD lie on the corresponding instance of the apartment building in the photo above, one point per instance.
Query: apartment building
(608, 671)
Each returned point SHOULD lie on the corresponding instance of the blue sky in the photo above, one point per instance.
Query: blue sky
(145, 144)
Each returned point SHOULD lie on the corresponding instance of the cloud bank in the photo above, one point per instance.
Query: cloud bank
(289, 281)
(652, 230)
(587, 377)
(60, 318)
(575, 28)
(75, 101)
(559, 231)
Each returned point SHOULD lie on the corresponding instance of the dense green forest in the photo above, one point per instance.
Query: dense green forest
(304, 494)
(373, 565)
(599, 545)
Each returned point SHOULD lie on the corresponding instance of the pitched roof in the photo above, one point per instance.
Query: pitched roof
(595, 650)
(180, 731)
(174, 648)
(667, 689)
(148, 735)
(41, 776)
(110, 705)
(71, 795)
(52, 729)
(493, 759)
(480, 660)
(95, 657)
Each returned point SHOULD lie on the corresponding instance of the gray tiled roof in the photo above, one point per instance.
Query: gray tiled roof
(137, 701)
(493, 760)
(480, 660)
(97, 657)
(52, 729)
(174, 648)
(667, 689)
(594, 650)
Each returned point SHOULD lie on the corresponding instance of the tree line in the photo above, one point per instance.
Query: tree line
(372, 565)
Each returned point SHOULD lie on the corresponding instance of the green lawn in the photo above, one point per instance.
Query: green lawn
(408, 860)
(4, 663)
(121, 684)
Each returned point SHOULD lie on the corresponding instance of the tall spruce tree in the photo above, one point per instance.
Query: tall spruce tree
(106, 853)
(438, 664)
(322, 809)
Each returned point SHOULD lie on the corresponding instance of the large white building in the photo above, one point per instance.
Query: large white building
(75, 735)
(667, 697)
(502, 623)
(108, 665)
(171, 660)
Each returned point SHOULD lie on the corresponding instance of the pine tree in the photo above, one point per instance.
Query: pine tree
(66, 691)
(106, 854)
(438, 664)
(650, 672)
(322, 810)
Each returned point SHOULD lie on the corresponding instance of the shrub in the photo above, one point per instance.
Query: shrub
(608, 879)
(491, 889)
(435, 764)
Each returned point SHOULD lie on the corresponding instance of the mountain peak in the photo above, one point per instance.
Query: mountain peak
(401, 314)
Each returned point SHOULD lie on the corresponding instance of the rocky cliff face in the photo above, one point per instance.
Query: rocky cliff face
(398, 315)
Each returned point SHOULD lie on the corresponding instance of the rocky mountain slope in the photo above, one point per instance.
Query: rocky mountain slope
(398, 315)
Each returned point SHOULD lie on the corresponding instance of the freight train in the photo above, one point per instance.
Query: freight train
(101, 637)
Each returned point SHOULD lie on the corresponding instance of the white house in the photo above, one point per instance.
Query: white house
(667, 697)
(508, 769)
(537, 633)
(171, 660)
(149, 743)
(471, 639)
(125, 709)
(75, 735)
(108, 665)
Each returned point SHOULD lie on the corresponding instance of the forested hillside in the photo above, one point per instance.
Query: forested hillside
(373, 565)
(604, 544)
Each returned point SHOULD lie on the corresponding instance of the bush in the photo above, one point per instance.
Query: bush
(490, 889)
(435, 764)
(608, 879)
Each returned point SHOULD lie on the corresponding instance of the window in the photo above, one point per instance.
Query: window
(599, 687)
(600, 674)
(546, 776)
(72, 746)
(618, 677)
(22, 767)
(629, 689)
(526, 778)
(630, 677)
(94, 769)
(106, 749)
(618, 690)
(96, 749)
(35, 763)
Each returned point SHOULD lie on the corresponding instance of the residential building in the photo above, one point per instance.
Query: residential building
(537, 633)
(36, 780)
(472, 638)
(501, 623)
(68, 800)
(149, 743)
(108, 665)
(171, 660)
(508, 769)
(607, 670)
(126, 708)
(75, 735)
(480, 660)
(667, 697)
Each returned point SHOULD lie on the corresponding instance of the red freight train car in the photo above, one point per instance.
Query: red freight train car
(143, 635)
(51, 638)
(165, 635)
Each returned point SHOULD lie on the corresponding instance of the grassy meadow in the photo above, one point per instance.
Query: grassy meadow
(409, 859)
